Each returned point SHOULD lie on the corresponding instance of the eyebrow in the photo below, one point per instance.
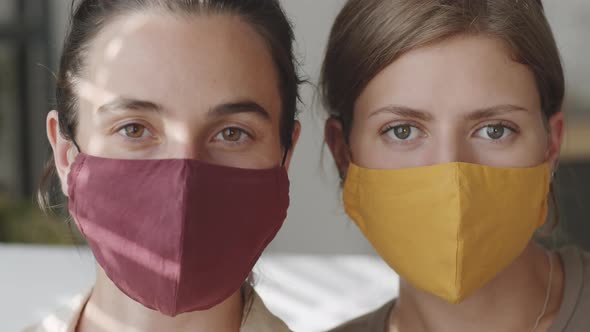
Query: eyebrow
(405, 112)
(480, 114)
(123, 103)
(490, 112)
(239, 107)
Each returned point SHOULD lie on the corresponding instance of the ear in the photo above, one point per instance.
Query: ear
(294, 140)
(556, 134)
(64, 151)
(336, 140)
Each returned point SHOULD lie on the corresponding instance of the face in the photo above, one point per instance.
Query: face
(461, 100)
(157, 86)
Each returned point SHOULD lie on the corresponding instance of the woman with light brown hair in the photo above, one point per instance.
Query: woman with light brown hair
(446, 122)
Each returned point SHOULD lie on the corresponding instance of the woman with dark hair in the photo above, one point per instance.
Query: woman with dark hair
(171, 138)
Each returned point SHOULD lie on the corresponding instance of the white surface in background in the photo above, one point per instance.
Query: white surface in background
(316, 223)
(7, 11)
(310, 293)
(314, 293)
(34, 281)
(570, 21)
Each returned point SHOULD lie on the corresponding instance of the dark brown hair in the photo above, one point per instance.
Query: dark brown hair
(369, 35)
(90, 17)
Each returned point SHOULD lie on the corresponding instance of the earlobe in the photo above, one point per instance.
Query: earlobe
(556, 136)
(63, 150)
(336, 141)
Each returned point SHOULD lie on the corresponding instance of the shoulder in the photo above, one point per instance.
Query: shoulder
(374, 321)
(258, 318)
(575, 306)
(64, 319)
(576, 264)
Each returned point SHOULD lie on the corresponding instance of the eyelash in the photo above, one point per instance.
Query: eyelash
(147, 127)
(142, 140)
(508, 125)
(392, 126)
(243, 131)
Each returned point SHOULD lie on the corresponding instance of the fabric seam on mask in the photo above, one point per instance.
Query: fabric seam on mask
(76, 175)
(182, 234)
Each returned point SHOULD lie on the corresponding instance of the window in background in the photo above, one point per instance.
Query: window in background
(570, 20)
(7, 11)
(25, 88)
(9, 168)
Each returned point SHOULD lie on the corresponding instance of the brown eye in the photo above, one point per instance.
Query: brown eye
(496, 132)
(134, 130)
(232, 134)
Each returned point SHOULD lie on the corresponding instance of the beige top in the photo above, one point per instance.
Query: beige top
(573, 316)
(258, 318)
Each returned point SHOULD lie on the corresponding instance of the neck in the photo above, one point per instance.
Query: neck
(108, 309)
(512, 301)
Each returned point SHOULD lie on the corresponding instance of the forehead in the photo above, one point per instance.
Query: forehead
(454, 76)
(190, 61)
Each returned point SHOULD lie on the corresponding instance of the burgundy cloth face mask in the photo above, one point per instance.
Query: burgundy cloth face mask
(176, 235)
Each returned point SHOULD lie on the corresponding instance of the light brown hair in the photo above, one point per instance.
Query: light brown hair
(369, 35)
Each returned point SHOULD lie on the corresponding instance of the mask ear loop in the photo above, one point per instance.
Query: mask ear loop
(285, 156)
(552, 196)
(554, 202)
(554, 170)
(548, 129)
(76, 145)
(71, 131)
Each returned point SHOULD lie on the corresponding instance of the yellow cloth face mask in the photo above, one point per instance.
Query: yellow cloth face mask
(448, 229)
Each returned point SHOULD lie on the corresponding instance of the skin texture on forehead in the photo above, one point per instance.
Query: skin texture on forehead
(448, 82)
(188, 65)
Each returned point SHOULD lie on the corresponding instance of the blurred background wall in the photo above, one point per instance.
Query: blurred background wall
(311, 279)
(31, 33)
